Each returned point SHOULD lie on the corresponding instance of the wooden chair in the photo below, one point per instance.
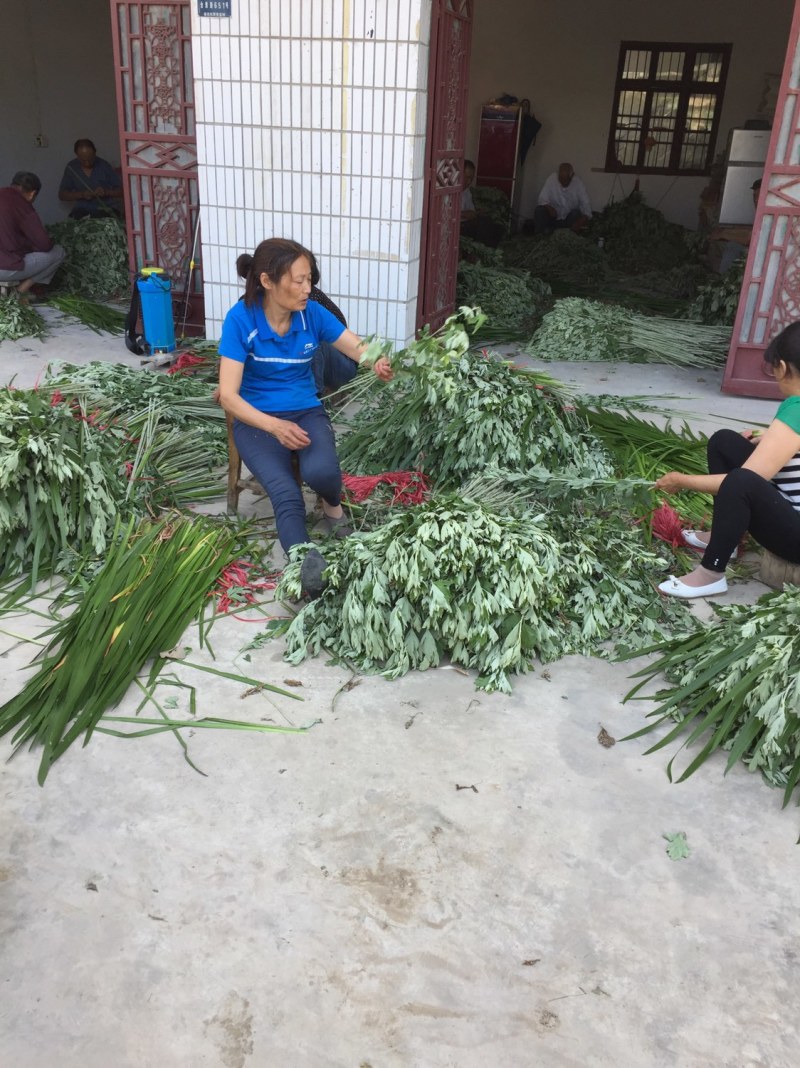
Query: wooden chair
(235, 481)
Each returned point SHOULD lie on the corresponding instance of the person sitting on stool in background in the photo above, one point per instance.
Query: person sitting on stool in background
(563, 203)
(91, 183)
(27, 252)
(473, 224)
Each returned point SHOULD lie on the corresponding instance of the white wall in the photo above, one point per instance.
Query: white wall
(563, 57)
(311, 125)
(56, 79)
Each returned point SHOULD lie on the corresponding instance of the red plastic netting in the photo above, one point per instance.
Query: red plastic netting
(410, 487)
(666, 524)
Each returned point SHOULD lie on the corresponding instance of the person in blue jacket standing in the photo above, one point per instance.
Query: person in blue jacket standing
(267, 385)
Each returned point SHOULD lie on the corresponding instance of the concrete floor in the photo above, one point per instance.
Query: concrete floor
(334, 899)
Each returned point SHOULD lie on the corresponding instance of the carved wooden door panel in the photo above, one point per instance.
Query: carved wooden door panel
(155, 105)
(770, 297)
(448, 82)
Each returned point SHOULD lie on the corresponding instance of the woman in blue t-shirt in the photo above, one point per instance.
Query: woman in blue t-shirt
(756, 483)
(269, 338)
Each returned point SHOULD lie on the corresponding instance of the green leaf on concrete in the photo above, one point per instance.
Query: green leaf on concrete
(677, 846)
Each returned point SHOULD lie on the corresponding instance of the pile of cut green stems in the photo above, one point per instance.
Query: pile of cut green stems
(631, 258)
(534, 542)
(101, 469)
(404, 594)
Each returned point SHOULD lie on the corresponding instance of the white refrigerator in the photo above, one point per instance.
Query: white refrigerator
(747, 154)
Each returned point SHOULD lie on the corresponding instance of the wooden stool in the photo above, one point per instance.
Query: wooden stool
(775, 571)
(235, 481)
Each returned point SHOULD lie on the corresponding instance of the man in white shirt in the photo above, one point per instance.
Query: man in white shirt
(563, 202)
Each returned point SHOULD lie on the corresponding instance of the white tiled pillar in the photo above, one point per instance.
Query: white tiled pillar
(311, 125)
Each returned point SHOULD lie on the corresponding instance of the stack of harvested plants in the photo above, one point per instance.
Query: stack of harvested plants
(493, 203)
(61, 482)
(470, 251)
(98, 317)
(450, 412)
(124, 394)
(18, 319)
(579, 329)
(73, 456)
(717, 301)
(489, 590)
(734, 685)
(511, 299)
(506, 561)
(96, 262)
(643, 451)
(155, 580)
(560, 257)
(637, 238)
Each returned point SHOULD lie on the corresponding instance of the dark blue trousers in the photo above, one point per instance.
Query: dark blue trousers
(331, 368)
(271, 463)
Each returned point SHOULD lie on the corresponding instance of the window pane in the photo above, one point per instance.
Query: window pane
(657, 152)
(637, 64)
(697, 135)
(694, 152)
(707, 67)
(630, 108)
(700, 112)
(627, 149)
(628, 130)
(628, 126)
(663, 110)
(670, 66)
(658, 143)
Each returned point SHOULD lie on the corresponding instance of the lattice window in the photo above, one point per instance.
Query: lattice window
(667, 105)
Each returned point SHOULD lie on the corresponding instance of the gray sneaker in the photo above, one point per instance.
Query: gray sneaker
(339, 528)
(312, 571)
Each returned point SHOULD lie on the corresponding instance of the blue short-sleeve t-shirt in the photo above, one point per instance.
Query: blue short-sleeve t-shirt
(277, 374)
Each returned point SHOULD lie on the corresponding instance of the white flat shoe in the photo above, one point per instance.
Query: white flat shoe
(673, 587)
(691, 538)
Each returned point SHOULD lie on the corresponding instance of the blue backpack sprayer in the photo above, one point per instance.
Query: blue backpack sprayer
(152, 295)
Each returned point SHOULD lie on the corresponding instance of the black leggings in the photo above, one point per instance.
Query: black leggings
(747, 502)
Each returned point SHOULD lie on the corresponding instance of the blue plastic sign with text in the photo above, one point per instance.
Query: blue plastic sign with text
(220, 8)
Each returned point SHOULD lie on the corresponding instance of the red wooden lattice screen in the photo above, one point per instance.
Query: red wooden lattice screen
(770, 297)
(155, 105)
(448, 81)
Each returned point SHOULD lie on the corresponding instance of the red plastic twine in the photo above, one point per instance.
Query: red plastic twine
(410, 487)
(184, 363)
